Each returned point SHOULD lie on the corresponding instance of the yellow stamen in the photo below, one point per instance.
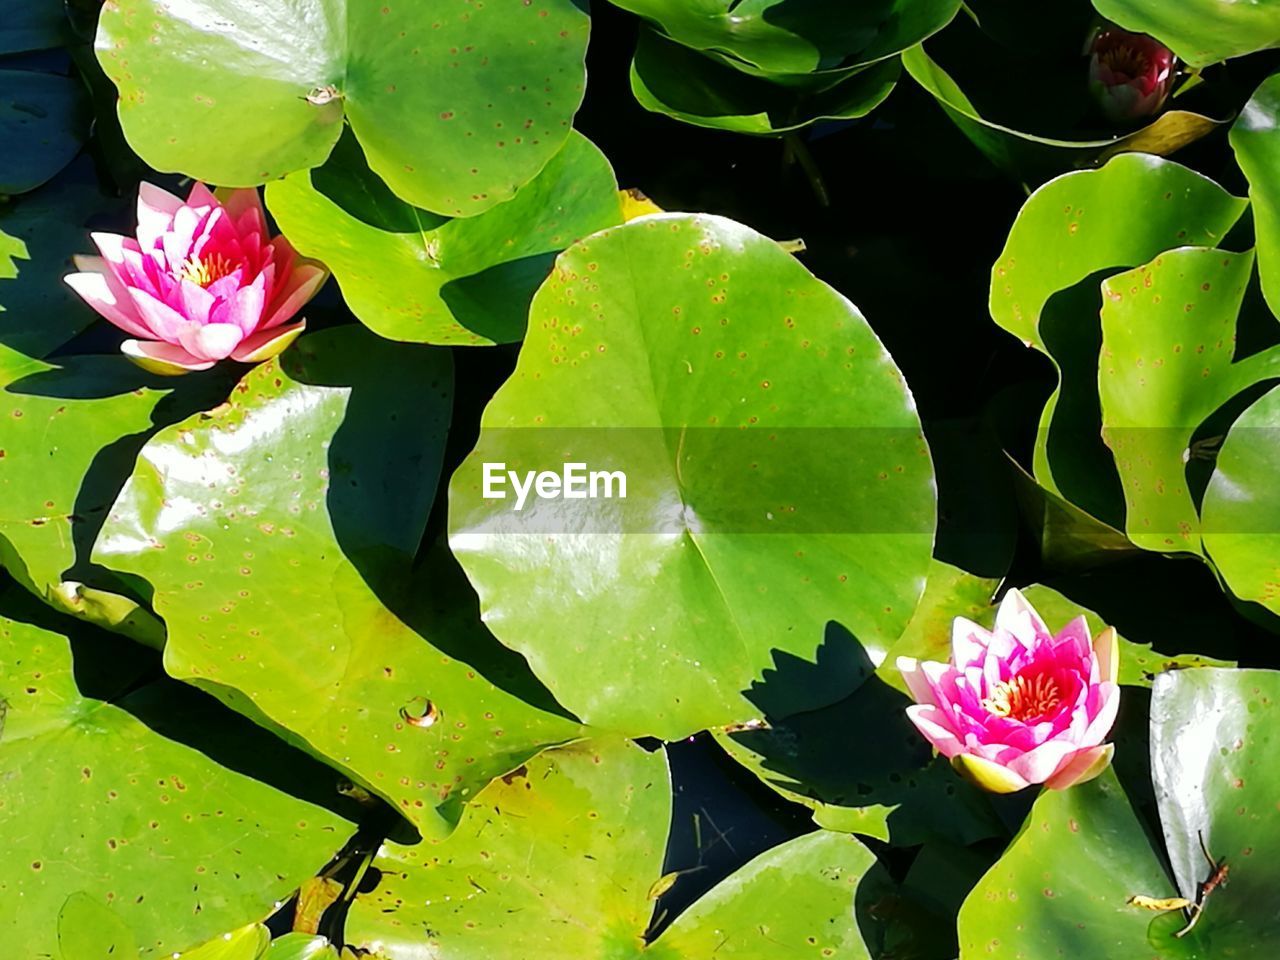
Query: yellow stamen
(205, 272)
(1021, 699)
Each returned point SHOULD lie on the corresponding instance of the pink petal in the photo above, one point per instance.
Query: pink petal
(1106, 648)
(921, 689)
(303, 284)
(1037, 765)
(266, 344)
(177, 242)
(1019, 619)
(193, 301)
(164, 322)
(1081, 767)
(244, 308)
(240, 202)
(934, 727)
(1076, 633)
(166, 359)
(156, 209)
(212, 341)
(1102, 723)
(99, 288)
(201, 196)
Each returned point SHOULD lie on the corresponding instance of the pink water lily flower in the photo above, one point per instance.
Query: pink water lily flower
(1019, 705)
(1130, 74)
(202, 281)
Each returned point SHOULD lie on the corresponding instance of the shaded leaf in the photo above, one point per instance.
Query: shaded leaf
(265, 528)
(411, 275)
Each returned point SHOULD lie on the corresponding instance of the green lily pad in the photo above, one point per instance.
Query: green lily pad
(1201, 32)
(686, 85)
(51, 497)
(1033, 156)
(1213, 743)
(1168, 340)
(300, 946)
(455, 106)
(1045, 281)
(1256, 143)
(263, 529)
(115, 807)
(44, 121)
(1066, 882)
(561, 857)
(713, 370)
(1068, 230)
(787, 39)
(1062, 887)
(412, 275)
(1240, 515)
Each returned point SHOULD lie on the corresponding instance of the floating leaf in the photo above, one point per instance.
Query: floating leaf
(1065, 882)
(793, 41)
(43, 124)
(1240, 515)
(455, 106)
(261, 526)
(1201, 32)
(1213, 740)
(1256, 141)
(59, 422)
(1033, 157)
(104, 801)
(412, 275)
(713, 369)
(1066, 234)
(559, 856)
(686, 85)
(1168, 341)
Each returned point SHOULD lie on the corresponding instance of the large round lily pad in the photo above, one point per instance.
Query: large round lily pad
(776, 477)
(262, 530)
(412, 275)
(455, 104)
(563, 857)
(114, 803)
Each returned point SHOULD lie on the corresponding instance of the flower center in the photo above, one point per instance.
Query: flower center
(1125, 60)
(205, 271)
(1023, 699)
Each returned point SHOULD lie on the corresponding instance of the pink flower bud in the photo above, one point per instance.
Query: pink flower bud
(1018, 705)
(1130, 74)
(201, 281)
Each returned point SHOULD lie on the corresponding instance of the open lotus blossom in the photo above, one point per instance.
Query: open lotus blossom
(1019, 705)
(202, 281)
(1130, 74)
